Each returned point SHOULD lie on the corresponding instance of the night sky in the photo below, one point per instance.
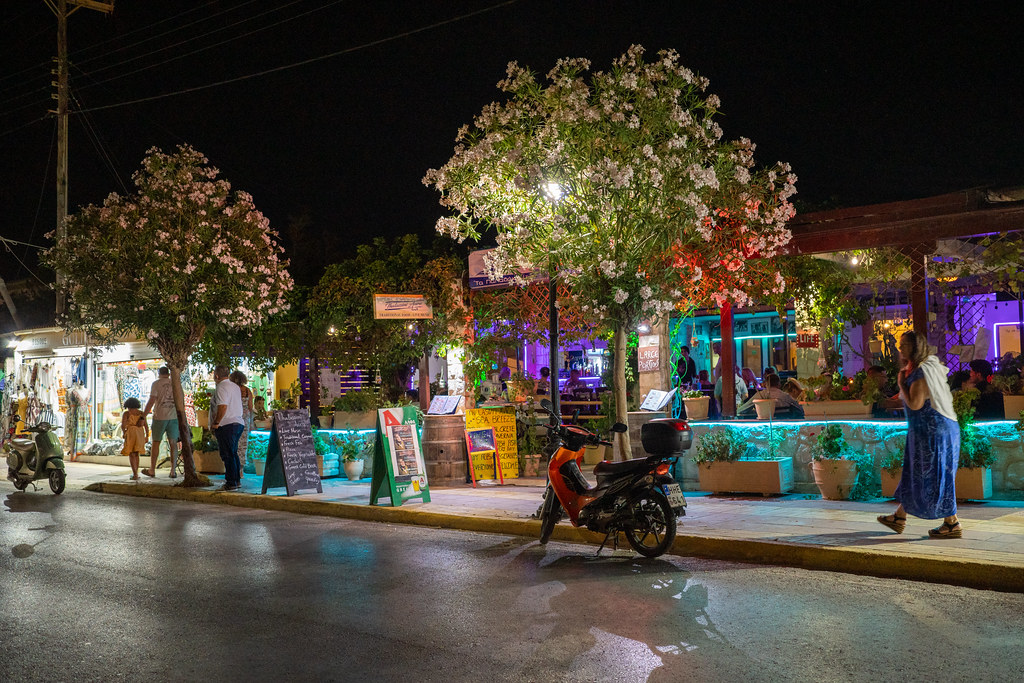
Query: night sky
(869, 102)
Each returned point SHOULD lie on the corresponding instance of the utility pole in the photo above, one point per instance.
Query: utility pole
(60, 8)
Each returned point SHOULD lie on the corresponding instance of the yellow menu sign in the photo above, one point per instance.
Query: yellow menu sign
(503, 422)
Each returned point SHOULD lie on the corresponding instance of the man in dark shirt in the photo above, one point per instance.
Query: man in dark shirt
(989, 405)
(686, 368)
(889, 400)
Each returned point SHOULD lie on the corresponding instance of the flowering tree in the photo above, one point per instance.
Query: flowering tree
(181, 257)
(620, 183)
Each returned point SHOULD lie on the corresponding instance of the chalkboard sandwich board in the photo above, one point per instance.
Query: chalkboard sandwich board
(291, 456)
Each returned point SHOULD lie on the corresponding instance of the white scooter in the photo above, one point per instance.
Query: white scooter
(34, 458)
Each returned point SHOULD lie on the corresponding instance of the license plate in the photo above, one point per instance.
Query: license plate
(674, 493)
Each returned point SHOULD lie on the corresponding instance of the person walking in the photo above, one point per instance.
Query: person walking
(165, 420)
(227, 425)
(239, 378)
(927, 487)
(136, 433)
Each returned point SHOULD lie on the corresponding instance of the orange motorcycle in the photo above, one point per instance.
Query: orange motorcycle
(638, 497)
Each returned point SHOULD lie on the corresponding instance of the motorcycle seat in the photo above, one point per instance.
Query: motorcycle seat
(625, 467)
(23, 445)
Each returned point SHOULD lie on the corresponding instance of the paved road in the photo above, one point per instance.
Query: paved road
(115, 588)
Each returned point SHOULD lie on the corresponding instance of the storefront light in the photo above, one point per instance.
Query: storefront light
(995, 336)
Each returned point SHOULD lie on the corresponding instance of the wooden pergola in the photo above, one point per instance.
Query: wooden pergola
(914, 226)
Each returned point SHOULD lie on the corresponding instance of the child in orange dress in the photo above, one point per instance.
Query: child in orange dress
(136, 435)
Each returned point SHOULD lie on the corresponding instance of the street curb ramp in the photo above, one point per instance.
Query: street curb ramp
(972, 574)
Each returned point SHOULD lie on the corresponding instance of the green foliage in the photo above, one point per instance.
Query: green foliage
(892, 461)
(357, 401)
(257, 448)
(830, 444)
(319, 444)
(201, 399)
(692, 393)
(720, 444)
(341, 305)
(527, 441)
(975, 449)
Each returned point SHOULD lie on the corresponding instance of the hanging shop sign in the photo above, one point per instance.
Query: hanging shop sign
(503, 422)
(401, 307)
(291, 457)
(808, 340)
(398, 458)
(479, 278)
(649, 353)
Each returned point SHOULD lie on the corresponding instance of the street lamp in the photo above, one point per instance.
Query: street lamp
(553, 192)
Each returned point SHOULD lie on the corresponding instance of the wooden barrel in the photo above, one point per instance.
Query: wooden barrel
(444, 449)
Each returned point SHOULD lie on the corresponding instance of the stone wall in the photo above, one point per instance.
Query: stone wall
(875, 437)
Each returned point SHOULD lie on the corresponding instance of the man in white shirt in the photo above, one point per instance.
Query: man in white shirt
(227, 425)
(165, 420)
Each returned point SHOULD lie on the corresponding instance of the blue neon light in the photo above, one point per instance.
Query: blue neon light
(356, 431)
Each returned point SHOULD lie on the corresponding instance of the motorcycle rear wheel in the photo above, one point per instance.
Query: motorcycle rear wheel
(57, 481)
(550, 513)
(654, 527)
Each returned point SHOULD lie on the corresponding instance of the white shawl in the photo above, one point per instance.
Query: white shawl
(935, 374)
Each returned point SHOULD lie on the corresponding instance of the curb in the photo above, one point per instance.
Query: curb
(970, 574)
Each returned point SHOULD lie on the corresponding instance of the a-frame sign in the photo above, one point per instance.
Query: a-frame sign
(398, 458)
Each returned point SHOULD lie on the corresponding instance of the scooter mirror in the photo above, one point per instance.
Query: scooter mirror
(546, 405)
(43, 426)
(620, 428)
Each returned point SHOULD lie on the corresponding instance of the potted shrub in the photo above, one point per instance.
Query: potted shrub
(528, 443)
(257, 452)
(520, 387)
(726, 463)
(356, 410)
(1008, 380)
(831, 396)
(206, 454)
(834, 472)
(891, 472)
(696, 404)
(326, 417)
(974, 468)
(201, 401)
(351, 456)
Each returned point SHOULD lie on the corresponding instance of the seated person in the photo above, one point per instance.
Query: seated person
(574, 382)
(890, 399)
(544, 383)
(705, 381)
(786, 407)
(989, 405)
(795, 389)
(741, 387)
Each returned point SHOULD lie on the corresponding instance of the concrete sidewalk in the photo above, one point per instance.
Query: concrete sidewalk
(795, 530)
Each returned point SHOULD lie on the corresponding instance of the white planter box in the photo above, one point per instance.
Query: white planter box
(837, 409)
(1012, 405)
(364, 420)
(747, 476)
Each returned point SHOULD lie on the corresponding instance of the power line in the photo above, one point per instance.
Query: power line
(208, 47)
(10, 241)
(304, 62)
(97, 143)
(11, 131)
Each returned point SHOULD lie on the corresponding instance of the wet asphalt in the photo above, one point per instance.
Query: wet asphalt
(104, 588)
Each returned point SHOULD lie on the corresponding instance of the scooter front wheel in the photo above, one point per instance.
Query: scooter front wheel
(21, 484)
(57, 480)
(654, 524)
(550, 513)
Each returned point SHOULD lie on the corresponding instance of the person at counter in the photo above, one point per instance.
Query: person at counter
(989, 404)
(786, 407)
(574, 383)
(544, 383)
(890, 400)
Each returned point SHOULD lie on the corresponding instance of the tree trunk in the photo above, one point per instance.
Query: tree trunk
(621, 406)
(191, 478)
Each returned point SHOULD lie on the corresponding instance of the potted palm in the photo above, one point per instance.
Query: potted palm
(726, 463)
(834, 472)
(696, 404)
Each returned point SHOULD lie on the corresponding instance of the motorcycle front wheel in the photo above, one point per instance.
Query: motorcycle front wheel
(57, 481)
(654, 524)
(550, 513)
(21, 484)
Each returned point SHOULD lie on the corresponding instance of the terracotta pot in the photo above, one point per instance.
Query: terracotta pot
(890, 482)
(353, 469)
(326, 421)
(835, 478)
(765, 408)
(973, 483)
(531, 466)
(259, 466)
(696, 408)
(1012, 405)
(203, 418)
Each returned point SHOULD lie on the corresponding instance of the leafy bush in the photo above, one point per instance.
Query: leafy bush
(975, 450)
(201, 399)
(830, 444)
(358, 401)
(720, 445)
(693, 393)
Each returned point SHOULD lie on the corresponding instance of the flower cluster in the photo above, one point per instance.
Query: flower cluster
(181, 255)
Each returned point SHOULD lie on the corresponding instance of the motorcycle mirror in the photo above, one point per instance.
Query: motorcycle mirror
(619, 428)
(43, 426)
(546, 405)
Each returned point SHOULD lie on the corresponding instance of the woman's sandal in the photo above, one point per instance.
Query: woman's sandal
(897, 524)
(946, 530)
(148, 472)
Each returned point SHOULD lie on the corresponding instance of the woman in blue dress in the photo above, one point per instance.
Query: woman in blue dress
(926, 488)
